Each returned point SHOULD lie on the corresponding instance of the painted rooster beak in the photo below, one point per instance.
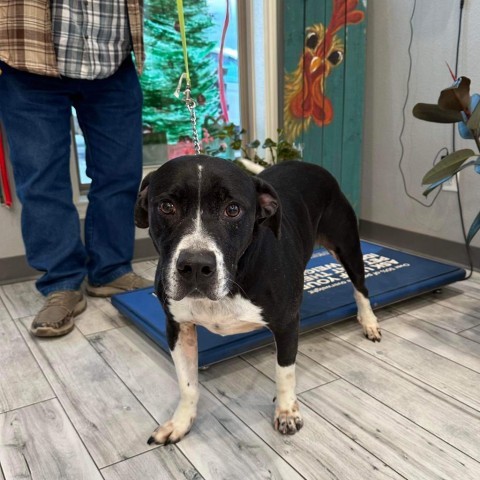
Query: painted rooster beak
(315, 64)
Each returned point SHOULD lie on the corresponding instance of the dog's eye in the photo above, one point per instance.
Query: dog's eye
(232, 210)
(168, 208)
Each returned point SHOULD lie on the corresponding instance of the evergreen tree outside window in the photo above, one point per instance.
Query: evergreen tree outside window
(167, 129)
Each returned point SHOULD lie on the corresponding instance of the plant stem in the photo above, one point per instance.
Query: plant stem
(244, 150)
(475, 137)
(272, 154)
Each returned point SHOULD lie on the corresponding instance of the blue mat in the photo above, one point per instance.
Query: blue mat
(328, 297)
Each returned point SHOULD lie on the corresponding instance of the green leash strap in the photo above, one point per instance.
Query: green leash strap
(181, 21)
(189, 102)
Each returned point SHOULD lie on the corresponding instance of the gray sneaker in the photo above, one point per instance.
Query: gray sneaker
(126, 283)
(56, 316)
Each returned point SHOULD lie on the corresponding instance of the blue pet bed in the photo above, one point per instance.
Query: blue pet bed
(328, 297)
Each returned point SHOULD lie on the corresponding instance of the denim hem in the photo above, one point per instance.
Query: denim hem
(113, 276)
(60, 288)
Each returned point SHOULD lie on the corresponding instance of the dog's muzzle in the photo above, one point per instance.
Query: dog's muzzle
(196, 273)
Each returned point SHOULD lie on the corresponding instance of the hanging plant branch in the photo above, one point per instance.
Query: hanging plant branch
(455, 105)
(448, 166)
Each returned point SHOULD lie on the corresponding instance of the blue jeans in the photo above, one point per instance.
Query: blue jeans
(36, 113)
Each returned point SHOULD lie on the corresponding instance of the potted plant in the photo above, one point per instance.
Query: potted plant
(220, 139)
(455, 105)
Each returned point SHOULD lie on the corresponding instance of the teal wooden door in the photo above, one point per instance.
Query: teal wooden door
(324, 63)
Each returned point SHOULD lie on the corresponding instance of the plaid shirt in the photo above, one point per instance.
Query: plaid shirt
(91, 38)
(27, 37)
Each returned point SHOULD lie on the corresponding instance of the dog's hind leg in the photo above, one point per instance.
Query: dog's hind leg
(338, 233)
(366, 317)
(350, 256)
(185, 358)
(287, 419)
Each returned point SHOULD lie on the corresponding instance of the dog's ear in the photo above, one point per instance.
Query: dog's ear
(269, 209)
(141, 207)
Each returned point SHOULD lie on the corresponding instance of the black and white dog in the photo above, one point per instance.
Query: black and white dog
(232, 252)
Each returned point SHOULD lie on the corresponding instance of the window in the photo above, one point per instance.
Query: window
(247, 96)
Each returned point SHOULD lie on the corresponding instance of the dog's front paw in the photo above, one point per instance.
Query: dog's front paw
(288, 421)
(171, 432)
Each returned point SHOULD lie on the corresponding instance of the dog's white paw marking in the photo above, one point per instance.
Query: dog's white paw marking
(288, 421)
(372, 331)
(171, 432)
(370, 326)
(367, 318)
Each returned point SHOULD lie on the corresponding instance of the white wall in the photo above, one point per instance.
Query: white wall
(435, 24)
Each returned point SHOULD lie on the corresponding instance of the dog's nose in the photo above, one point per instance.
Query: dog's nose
(196, 265)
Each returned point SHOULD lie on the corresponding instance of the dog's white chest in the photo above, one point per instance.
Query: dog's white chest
(227, 316)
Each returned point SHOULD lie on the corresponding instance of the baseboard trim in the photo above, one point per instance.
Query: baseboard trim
(16, 269)
(144, 250)
(417, 243)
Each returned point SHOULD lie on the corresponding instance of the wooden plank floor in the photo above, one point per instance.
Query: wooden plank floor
(83, 406)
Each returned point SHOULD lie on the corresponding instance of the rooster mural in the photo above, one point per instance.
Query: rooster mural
(305, 98)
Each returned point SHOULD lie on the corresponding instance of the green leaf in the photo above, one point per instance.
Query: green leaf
(269, 143)
(254, 144)
(433, 186)
(474, 121)
(433, 113)
(448, 166)
(236, 145)
(474, 227)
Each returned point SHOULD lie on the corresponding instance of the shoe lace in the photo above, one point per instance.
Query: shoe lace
(135, 279)
(56, 299)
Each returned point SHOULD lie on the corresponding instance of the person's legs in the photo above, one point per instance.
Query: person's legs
(36, 111)
(110, 115)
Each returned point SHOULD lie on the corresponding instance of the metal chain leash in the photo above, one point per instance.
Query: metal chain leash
(190, 104)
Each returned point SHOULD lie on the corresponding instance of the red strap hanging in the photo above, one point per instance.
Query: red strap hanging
(223, 100)
(4, 176)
